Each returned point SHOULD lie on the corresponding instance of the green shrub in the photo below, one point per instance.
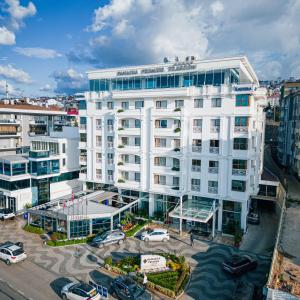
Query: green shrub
(166, 279)
(66, 242)
(108, 260)
(135, 228)
(34, 229)
(180, 280)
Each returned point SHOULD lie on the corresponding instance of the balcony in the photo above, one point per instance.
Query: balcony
(110, 161)
(98, 176)
(214, 150)
(215, 129)
(241, 129)
(213, 170)
(197, 149)
(213, 190)
(98, 144)
(82, 145)
(110, 145)
(196, 168)
(98, 127)
(98, 161)
(110, 128)
(197, 129)
(10, 121)
(195, 188)
(239, 172)
(39, 154)
(110, 178)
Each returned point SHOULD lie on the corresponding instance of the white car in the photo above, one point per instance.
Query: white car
(6, 213)
(79, 291)
(11, 253)
(156, 234)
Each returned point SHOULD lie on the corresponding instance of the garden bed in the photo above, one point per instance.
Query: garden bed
(170, 283)
(135, 228)
(33, 229)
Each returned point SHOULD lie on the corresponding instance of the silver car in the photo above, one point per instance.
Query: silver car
(109, 237)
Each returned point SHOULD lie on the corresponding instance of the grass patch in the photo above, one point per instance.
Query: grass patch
(33, 229)
(135, 228)
(70, 242)
(165, 279)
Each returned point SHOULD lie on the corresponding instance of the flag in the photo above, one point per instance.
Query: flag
(73, 196)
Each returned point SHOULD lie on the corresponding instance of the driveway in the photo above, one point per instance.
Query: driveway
(47, 267)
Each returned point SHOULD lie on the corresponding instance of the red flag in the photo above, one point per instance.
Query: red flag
(73, 196)
(64, 204)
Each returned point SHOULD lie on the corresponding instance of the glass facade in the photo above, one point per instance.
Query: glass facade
(14, 185)
(231, 219)
(79, 228)
(39, 168)
(213, 77)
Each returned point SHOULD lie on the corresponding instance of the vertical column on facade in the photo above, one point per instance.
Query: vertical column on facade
(151, 204)
(68, 229)
(111, 223)
(244, 216)
(89, 141)
(220, 215)
(180, 218)
(214, 219)
(91, 226)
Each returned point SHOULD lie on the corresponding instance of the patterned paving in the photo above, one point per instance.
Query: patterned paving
(208, 280)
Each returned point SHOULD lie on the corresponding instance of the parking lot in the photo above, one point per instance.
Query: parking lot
(208, 281)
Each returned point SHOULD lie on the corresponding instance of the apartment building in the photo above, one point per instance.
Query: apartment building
(186, 138)
(49, 171)
(289, 130)
(20, 122)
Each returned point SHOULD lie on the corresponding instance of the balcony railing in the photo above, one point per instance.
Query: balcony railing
(213, 170)
(195, 187)
(196, 168)
(110, 161)
(239, 172)
(98, 176)
(98, 144)
(110, 177)
(39, 154)
(213, 190)
(197, 129)
(9, 121)
(215, 129)
(196, 148)
(110, 145)
(243, 129)
(214, 150)
(98, 127)
(98, 161)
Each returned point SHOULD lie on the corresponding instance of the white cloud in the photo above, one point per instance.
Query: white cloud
(17, 75)
(7, 37)
(69, 81)
(38, 52)
(46, 88)
(19, 12)
(216, 8)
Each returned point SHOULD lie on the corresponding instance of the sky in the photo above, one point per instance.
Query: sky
(46, 46)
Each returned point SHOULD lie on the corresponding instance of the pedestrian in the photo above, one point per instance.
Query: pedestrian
(192, 240)
(145, 280)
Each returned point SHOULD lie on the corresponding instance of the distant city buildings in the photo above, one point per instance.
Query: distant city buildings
(186, 138)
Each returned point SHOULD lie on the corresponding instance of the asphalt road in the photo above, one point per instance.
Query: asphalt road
(9, 293)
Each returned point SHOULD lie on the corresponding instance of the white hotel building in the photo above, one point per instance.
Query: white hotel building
(184, 137)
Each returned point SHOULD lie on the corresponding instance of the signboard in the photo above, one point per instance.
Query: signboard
(103, 291)
(152, 262)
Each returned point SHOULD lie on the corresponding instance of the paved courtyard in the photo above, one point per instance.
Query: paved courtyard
(208, 280)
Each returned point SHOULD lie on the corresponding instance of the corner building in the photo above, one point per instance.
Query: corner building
(186, 138)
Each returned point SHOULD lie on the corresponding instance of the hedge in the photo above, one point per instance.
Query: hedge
(33, 229)
(165, 279)
(135, 229)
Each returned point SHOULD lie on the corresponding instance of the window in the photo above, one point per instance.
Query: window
(110, 105)
(137, 159)
(82, 104)
(215, 123)
(98, 157)
(240, 144)
(242, 100)
(213, 164)
(197, 142)
(98, 141)
(216, 102)
(125, 105)
(125, 158)
(179, 103)
(160, 142)
(64, 162)
(83, 137)
(98, 105)
(175, 181)
(139, 104)
(137, 123)
(176, 143)
(241, 121)
(137, 141)
(195, 184)
(98, 123)
(239, 164)
(63, 148)
(160, 179)
(177, 123)
(161, 123)
(213, 184)
(238, 185)
(124, 140)
(125, 123)
(161, 104)
(18, 169)
(160, 161)
(198, 103)
(214, 143)
(137, 177)
(197, 123)
(196, 162)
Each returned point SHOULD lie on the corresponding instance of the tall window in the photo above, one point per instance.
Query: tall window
(139, 104)
(160, 142)
(137, 176)
(198, 103)
(175, 181)
(161, 104)
(214, 143)
(160, 161)
(242, 100)
(98, 105)
(160, 179)
(137, 141)
(241, 121)
(239, 164)
(137, 123)
(240, 144)
(110, 105)
(179, 103)
(216, 102)
(238, 185)
(125, 105)
(161, 123)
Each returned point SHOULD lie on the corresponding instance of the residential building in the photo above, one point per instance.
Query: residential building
(49, 171)
(186, 138)
(20, 122)
(289, 131)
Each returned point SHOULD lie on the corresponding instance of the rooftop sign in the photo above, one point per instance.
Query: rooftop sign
(179, 66)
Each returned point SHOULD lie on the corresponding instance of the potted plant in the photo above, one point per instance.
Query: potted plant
(177, 130)
(120, 110)
(177, 109)
(238, 236)
(120, 128)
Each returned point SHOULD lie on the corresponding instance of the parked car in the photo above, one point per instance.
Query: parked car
(124, 287)
(12, 253)
(239, 264)
(7, 213)
(253, 218)
(156, 234)
(79, 291)
(109, 237)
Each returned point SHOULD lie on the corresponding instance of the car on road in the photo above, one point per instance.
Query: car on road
(156, 234)
(6, 213)
(239, 264)
(253, 218)
(125, 288)
(79, 291)
(12, 253)
(109, 237)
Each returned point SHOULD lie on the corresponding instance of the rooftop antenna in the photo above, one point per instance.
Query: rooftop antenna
(6, 89)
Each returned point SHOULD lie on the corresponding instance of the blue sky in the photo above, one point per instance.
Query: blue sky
(46, 46)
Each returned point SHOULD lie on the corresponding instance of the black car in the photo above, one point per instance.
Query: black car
(125, 288)
(239, 264)
(253, 218)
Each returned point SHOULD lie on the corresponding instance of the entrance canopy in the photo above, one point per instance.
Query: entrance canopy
(195, 210)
